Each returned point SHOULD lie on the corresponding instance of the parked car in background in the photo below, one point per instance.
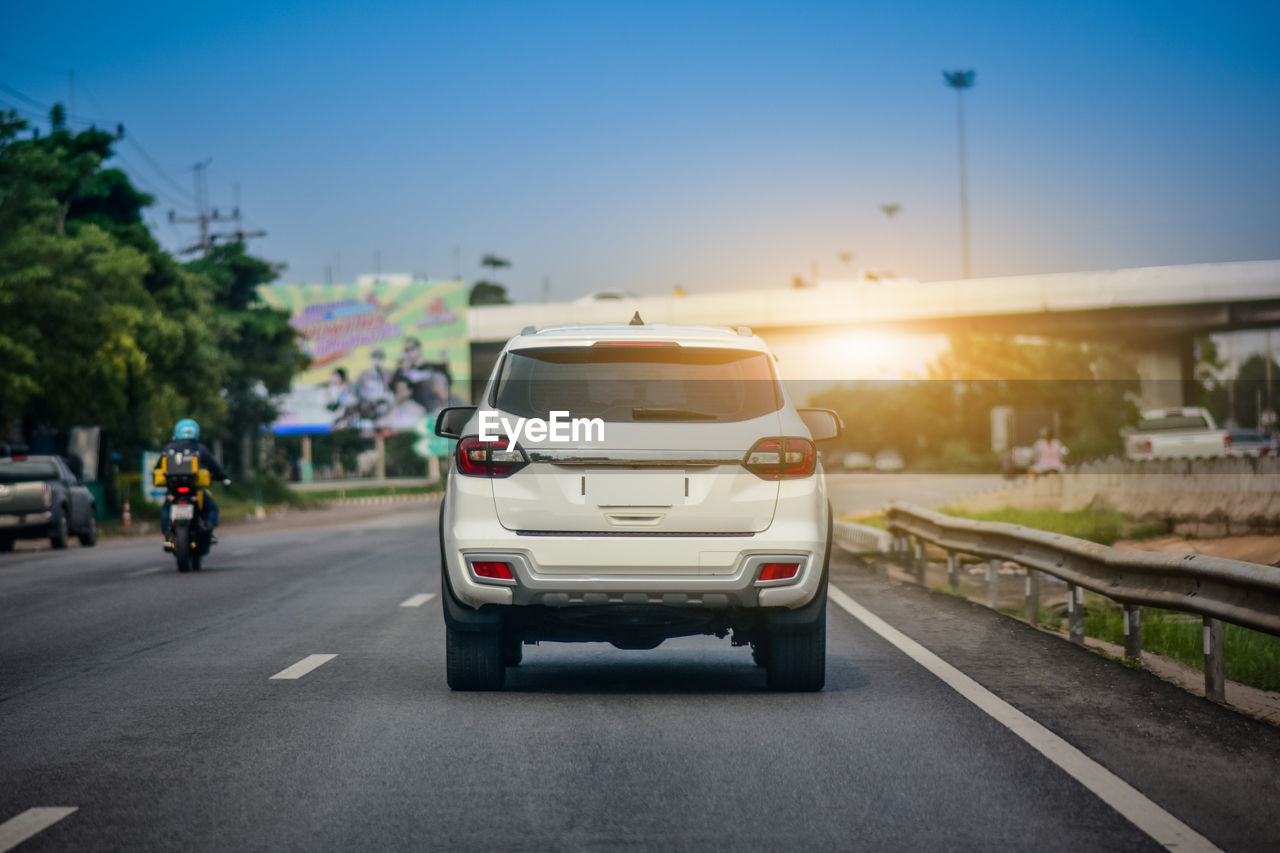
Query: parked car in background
(889, 461)
(40, 496)
(1185, 432)
(856, 461)
(1251, 442)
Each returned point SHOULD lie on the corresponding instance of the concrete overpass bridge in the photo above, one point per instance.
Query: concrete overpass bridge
(1156, 311)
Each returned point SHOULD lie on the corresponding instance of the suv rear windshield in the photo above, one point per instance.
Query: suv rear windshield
(1173, 422)
(28, 469)
(638, 383)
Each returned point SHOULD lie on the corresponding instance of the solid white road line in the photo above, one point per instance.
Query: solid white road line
(417, 600)
(1166, 829)
(18, 829)
(303, 666)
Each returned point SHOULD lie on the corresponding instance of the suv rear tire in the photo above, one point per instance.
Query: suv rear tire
(797, 660)
(473, 660)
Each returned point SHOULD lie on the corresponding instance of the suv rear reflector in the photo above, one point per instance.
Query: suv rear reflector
(492, 569)
(778, 571)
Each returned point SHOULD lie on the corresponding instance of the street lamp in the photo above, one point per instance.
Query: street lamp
(961, 80)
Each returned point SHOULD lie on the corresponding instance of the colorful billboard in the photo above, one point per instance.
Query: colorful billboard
(384, 355)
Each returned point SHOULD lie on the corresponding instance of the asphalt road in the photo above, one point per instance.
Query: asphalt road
(145, 699)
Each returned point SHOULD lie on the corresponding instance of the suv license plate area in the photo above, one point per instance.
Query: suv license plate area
(635, 488)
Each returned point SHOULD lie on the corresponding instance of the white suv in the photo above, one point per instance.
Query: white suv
(688, 499)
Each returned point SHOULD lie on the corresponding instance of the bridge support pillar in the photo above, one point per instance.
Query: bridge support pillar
(1166, 369)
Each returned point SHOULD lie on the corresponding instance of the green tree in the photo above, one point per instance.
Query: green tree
(98, 324)
(262, 345)
(944, 420)
(486, 292)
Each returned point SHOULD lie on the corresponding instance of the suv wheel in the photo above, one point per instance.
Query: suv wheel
(6, 544)
(760, 651)
(512, 651)
(473, 660)
(798, 660)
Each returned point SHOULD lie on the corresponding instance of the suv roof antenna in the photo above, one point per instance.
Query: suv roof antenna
(635, 320)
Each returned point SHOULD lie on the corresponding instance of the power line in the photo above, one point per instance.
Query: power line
(47, 108)
(15, 93)
(131, 138)
(204, 217)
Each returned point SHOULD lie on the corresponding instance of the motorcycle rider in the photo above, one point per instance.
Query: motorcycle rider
(186, 438)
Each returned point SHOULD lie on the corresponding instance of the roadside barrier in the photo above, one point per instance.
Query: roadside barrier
(1214, 588)
(386, 499)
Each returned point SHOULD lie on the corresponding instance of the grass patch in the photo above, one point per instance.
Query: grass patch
(1251, 657)
(868, 519)
(1096, 524)
(945, 589)
(1147, 529)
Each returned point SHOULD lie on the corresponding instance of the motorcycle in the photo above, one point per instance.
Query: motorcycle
(190, 535)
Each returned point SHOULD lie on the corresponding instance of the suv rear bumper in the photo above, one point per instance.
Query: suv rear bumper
(685, 571)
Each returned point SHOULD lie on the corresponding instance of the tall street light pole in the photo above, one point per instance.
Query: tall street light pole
(961, 80)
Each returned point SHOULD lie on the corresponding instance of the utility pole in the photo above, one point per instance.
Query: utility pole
(204, 216)
(960, 81)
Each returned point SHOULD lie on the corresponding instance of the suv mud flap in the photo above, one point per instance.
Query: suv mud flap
(458, 616)
(781, 620)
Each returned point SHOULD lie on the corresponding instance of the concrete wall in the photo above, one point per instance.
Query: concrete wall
(1202, 497)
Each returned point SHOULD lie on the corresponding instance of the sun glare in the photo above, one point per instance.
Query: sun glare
(851, 355)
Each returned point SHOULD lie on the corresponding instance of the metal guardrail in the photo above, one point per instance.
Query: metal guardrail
(1214, 588)
(862, 539)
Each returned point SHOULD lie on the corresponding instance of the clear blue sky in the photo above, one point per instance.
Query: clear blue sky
(640, 145)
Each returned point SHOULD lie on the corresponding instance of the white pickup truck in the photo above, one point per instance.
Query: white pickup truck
(1178, 433)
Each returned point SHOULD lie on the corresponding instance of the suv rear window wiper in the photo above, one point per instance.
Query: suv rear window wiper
(671, 415)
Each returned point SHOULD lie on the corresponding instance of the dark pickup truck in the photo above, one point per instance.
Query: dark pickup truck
(41, 497)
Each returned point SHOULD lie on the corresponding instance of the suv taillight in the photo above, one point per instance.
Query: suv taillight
(781, 458)
(478, 458)
(1226, 441)
(48, 494)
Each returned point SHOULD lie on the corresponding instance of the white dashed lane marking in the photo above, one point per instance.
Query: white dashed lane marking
(417, 600)
(154, 570)
(303, 666)
(18, 829)
(1166, 829)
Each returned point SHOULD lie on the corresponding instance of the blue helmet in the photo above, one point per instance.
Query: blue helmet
(186, 428)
